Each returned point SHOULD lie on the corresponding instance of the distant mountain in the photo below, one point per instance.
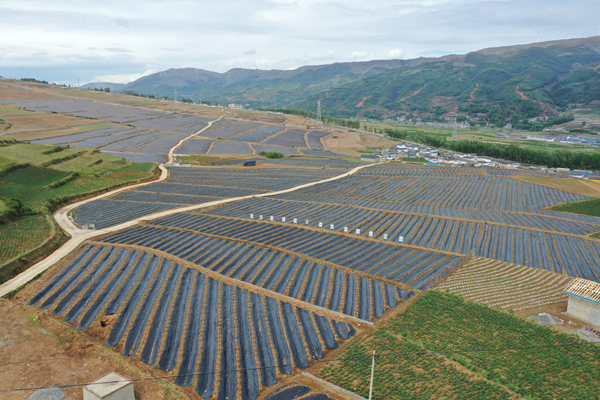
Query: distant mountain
(551, 74)
(490, 84)
(114, 87)
(272, 88)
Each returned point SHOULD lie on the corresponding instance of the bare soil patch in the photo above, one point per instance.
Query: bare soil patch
(566, 184)
(28, 334)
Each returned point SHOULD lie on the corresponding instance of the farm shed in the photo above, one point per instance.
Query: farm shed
(365, 157)
(584, 300)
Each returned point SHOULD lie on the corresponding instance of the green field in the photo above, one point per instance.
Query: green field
(443, 322)
(586, 207)
(32, 184)
(21, 235)
(8, 110)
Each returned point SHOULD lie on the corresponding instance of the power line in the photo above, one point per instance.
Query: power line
(367, 356)
(55, 359)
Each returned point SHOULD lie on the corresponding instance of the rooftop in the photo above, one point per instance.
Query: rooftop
(585, 289)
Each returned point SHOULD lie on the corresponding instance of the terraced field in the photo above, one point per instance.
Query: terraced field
(506, 285)
(249, 292)
(213, 305)
(188, 186)
(146, 135)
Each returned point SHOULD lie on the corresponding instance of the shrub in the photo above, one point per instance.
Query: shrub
(271, 154)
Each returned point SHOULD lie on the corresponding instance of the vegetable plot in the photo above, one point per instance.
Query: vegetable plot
(178, 319)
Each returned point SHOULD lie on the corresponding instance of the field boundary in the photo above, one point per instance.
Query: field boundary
(37, 251)
(79, 235)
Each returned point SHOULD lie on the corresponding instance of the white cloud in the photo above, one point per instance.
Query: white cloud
(121, 78)
(395, 54)
(59, 40)
(359, 55)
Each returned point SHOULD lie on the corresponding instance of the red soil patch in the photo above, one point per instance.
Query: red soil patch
(415, 93)
(362, 103)
(474, 90)
(523, 97)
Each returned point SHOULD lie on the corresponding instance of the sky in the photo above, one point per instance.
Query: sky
(80, 41)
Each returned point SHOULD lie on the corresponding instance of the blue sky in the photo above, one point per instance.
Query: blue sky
(120, 41)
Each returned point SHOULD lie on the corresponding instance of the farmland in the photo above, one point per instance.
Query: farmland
(193, 315)
(243, 285)
(194, 186)
(41, 175)
(567, 372)
(21, 235)
(238, 300)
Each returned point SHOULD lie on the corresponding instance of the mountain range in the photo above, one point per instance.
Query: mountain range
(552, 75)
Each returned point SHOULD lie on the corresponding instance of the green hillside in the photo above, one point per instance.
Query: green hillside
(491, 88)
(258, 88)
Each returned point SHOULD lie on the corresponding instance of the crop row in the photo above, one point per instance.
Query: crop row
(396, 170)
(484, 192)
(192, 186)
(415, 267)
(180, 320)
(574, 256)
(294, 391)
(314, 139)
(144, 118)
(386, 221)
(403, 372)
(288, 137)
(259, 134)
(264, 179)
(225, 129)
(564, 223)
(271, 269)
(104, 213)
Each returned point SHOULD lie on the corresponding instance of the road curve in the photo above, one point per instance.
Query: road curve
(78, 235)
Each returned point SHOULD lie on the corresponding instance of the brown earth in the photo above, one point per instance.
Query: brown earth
(26, 334)
(559, 310)
(589, 188)
(348, 143)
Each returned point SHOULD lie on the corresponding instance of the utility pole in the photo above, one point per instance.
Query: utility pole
(372, 374)
(175, 90)
(319, 112)
(454, 132)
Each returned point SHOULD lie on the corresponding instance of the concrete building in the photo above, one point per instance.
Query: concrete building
(584, 300)
(110, 387)
(366, 157)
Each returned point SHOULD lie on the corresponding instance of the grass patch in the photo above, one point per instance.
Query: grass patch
(34, 153)
(8, 110)
(33, 176)
(414, 160)
(586, 207)
(95, 127)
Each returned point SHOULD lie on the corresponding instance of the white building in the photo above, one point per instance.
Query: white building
(584, 300)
